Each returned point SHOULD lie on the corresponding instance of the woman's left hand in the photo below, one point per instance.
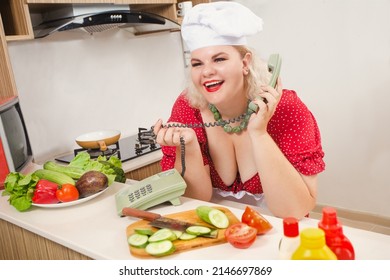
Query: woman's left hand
(268, 102)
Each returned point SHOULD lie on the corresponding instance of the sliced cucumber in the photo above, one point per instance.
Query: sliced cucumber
(178, 233)
(198, 230)
(214, 233)
(218, 218)
(160, 248)
(144, 231)
(138, 240)
(212, 216)
(163, 234)
(187, 236)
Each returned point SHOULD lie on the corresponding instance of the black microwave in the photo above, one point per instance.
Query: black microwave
(15, 149)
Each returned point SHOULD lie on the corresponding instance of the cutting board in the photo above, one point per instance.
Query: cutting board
(183, 245)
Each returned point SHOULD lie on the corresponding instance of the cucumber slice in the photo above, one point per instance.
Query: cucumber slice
(138, 240)
(198, 230)
(187, 236)
(178, 233)
(212, 216)
(214, 233)
(160, 248)
(144, 231)
(218, 218)
(162, 234)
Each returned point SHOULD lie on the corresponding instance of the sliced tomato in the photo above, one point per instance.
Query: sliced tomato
(240, 235)
(254, 219)
(67, 193)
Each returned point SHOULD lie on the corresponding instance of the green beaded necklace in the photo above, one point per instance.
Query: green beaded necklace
(226, 123)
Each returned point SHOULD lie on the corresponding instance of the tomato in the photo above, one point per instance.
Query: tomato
(240, 235)
(67, 192)
(254, 219)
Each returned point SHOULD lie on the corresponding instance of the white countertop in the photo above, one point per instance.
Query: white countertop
(94, 229)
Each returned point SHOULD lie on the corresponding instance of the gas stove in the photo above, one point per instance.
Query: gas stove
(125, 149)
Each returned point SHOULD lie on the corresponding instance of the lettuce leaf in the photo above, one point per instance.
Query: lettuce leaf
(20, 189)
(83, 160)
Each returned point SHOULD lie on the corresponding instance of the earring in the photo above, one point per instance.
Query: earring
(246, 71)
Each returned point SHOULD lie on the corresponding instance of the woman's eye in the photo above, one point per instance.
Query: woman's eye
(195, 64)
(220, 59)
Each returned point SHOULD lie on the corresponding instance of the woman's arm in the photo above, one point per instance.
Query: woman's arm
(287, 192)
(196, 175)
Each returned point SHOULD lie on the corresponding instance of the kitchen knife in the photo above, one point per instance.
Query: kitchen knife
(158, 221)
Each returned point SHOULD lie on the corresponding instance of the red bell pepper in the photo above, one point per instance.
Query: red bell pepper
(45, 192)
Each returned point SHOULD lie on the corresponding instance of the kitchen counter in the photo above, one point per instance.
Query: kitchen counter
(93, 229)
(142, 161)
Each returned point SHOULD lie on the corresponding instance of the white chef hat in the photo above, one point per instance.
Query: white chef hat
(219, 23)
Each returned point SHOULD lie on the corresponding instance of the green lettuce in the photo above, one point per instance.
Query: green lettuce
(112, 167)
(20, 189)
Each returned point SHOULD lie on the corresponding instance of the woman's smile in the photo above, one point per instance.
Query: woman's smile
(213, 85)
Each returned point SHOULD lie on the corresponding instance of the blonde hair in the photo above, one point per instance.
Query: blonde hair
(258, 75)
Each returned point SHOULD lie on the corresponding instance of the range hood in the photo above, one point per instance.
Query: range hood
(98, 18)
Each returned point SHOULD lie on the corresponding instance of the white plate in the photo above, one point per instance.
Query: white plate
(70, 203)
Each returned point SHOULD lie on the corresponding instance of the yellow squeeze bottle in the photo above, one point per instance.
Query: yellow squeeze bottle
(313, 246)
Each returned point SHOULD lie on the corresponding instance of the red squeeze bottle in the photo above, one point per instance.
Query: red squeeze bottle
(335, 238)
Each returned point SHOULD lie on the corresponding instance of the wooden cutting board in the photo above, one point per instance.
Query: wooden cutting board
(183, 245)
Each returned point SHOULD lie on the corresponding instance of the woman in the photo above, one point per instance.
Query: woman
(274, 153)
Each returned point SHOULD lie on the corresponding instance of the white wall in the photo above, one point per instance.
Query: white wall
(336, 55)
(72, 83)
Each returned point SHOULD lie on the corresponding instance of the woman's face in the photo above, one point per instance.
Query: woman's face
(218, 73)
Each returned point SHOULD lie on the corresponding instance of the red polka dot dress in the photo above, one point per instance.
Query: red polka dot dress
(292, 127)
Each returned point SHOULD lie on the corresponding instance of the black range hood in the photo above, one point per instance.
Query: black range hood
(100, 18)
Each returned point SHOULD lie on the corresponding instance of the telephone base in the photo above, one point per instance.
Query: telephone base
(176, 201)
(162, 187)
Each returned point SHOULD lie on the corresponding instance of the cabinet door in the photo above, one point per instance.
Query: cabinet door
(7, 81)
(16, 20)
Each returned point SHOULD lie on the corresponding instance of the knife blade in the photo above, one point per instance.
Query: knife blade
(158, 221)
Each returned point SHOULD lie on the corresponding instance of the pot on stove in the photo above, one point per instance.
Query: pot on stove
(98, 139)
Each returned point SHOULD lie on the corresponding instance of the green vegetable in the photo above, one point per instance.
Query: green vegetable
(178, 233)
(198, 230)
(71, 171)
(161, 248)
(83, 160)
(20, 189)
(54, 176)
(163, 234)
(144, 231)
(213, 216)
(119, 173)
(138, 240)
(187, 236)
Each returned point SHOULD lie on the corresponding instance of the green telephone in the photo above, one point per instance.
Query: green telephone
(159, 188)
(274, 65)
(169, 185)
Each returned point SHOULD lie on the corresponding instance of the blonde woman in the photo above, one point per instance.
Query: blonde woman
(273, 154)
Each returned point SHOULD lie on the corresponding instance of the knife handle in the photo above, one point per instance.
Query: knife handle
(133, 212)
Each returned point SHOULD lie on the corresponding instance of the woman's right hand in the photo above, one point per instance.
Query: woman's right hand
(170, 136)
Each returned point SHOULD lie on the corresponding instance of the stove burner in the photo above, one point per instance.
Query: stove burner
(146, 139)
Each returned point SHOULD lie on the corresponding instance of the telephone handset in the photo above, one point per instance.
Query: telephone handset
(274, 65)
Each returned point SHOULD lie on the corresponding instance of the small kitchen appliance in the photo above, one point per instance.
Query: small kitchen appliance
(15, 150)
